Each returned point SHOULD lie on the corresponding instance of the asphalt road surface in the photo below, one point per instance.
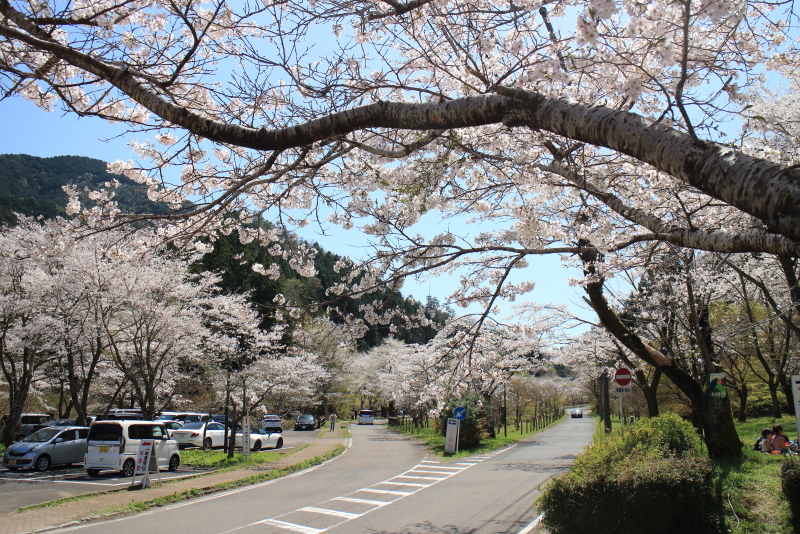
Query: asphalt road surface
(386, 483)
(27, 487)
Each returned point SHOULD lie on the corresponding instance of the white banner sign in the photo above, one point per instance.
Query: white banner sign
(451, 437)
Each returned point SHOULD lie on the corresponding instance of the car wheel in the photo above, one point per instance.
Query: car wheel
(128, 468)
(279, 444)
(207, 444)
(174, 462)
(92, 472)
(42, 463)
(256, 446)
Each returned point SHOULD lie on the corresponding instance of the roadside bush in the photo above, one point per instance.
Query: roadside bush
(790, 482)
(646, 478)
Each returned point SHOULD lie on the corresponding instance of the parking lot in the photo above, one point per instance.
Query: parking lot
(26, 487)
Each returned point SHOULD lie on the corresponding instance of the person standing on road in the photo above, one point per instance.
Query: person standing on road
(332, 419)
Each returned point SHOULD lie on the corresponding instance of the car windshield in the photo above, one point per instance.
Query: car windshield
(306, 418)
(194, 425)
(40, 436)
(366, 413)
(164, 418)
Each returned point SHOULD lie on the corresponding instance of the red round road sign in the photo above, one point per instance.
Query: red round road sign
(622, 376)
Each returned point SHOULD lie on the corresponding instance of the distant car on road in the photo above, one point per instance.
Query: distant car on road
(305, 422)
(366, 417)
(272, 423)
(47, 447)
(577, 413)
(260, 439)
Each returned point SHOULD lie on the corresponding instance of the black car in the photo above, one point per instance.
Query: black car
(577, 413)
(305, 422)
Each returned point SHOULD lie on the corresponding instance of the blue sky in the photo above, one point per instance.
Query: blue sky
(29, 130)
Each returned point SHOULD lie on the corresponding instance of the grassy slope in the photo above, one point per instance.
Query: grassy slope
(749, 490)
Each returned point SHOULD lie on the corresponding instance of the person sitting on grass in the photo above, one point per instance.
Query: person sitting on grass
(764, 443)
(780, 444)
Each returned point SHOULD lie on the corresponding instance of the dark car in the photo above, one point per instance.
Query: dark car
(305, 422)
(29, 423)
(272, 423)
(577, 413)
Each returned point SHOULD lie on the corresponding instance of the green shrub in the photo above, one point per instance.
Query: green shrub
(471, 428)
(646, 478)
(790, 482)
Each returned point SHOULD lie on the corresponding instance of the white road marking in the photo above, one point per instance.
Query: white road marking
(290, 526)
(421, 478)
(327, 511)
(361, 501)
(388, 492)
(405, 484)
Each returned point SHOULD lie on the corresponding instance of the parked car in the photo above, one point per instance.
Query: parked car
(305, 422)
(366, 417)
(191, 435)
(47, 447)
(260, 439)
(28, 423)
(114, 444)
(577, 413)
(172, 426)
(272, 423)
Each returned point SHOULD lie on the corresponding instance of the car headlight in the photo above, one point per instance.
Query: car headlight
(34, 449)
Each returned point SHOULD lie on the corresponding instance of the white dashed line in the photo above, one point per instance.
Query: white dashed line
(290, 526)
(327, 511)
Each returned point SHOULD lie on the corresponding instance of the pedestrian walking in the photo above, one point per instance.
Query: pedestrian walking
(332, 419)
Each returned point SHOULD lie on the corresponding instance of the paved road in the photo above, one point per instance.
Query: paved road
(386, 483)
(27, 487)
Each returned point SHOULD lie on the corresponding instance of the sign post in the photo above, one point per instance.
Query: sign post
(246, 436)
(451, 436)
(146, 462)
(795, 381)
(623, 378)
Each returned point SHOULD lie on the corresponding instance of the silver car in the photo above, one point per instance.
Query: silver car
(46, 447)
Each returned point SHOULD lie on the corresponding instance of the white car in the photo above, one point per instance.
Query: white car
(191, 435)
(261, 439)
(114, 445)
(366, 417)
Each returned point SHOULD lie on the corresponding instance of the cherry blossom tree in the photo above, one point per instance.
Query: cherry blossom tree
(599, 143)
(29, 256)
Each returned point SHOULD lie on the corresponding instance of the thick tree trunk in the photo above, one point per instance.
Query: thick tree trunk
(716, 417)
(743, 392)
(650, 391)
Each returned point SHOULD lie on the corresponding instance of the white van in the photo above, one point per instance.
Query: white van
(114, 444)
(366, 417)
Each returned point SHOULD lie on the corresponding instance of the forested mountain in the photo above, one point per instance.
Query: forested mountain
(33, 186)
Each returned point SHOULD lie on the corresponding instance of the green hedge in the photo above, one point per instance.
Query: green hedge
(646, 478)
(790, 482)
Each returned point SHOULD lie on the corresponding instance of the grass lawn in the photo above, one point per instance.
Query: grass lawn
(435, 441)
(749, 489)
(217, 459)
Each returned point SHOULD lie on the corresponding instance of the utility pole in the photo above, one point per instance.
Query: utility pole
(606, 402)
